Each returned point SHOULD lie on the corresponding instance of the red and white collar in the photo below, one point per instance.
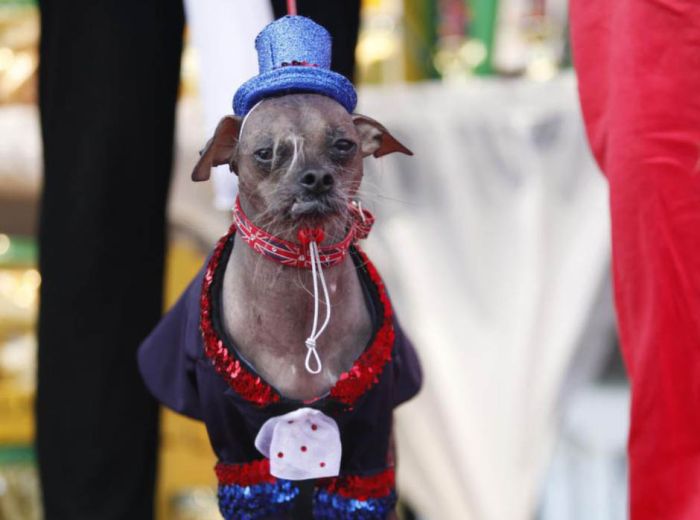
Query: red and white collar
(294, 254)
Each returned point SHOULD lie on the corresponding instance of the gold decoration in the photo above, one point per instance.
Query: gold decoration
(457, 57)
(19, 57)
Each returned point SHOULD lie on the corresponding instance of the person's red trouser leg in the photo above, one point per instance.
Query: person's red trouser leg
(638, 63)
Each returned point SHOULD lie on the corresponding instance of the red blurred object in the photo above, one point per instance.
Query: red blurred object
(292, 7)
(638, 63)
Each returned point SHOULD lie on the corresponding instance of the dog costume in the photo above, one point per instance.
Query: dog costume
(266, 443)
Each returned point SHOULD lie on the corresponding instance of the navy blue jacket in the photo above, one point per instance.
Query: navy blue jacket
(192, 367)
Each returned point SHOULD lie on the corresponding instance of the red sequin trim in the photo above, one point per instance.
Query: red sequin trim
(368, 367)
(245, 474)
(350, 386)
(249, 386)
(361, 487)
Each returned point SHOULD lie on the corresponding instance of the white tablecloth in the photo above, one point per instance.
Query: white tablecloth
(494, 243)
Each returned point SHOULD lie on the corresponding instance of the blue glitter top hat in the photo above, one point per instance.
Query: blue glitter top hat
(294, 55)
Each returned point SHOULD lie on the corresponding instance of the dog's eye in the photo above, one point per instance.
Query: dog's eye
(343, 145)
(263, 154)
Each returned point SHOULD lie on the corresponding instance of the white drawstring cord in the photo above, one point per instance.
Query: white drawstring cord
(358, 205)
(316, 273)
(245, 118)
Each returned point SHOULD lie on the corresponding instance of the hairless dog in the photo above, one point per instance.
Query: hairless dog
(299, 164)
(286, 344)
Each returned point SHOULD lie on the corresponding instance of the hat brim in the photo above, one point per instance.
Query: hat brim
(294, 79)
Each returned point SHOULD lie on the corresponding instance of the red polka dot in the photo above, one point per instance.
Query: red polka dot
(303, 448)
(323, 464)
(314, 427)
(280, 454)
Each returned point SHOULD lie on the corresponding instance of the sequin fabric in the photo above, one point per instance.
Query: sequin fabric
(293, 38)
(355, 497)
(335, 507)
(368, 367)
(350, 386)
(245, 474)
(247, 491)
(249, 386)
(294, 55)
(361, 487)
(256, 501)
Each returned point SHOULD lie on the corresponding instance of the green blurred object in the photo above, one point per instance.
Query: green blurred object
(12, 455)
(567, 60)
(482, 29)
(422, 18)
(420, 37)
(195, 504)
(19, 484)
(17, 251)
(14, 3)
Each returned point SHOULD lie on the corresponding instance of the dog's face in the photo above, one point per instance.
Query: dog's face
(298, 158)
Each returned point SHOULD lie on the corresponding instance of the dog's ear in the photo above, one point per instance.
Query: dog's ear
(219, 149)
(376, 140)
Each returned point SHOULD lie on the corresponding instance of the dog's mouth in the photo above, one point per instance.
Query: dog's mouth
(310, 208)
(316, 209)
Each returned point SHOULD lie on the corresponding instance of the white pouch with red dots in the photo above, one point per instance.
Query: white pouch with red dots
(302, 444)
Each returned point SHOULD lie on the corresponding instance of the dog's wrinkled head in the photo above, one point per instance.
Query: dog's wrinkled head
(298, 158)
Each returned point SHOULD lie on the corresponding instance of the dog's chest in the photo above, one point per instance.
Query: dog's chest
(269, 316)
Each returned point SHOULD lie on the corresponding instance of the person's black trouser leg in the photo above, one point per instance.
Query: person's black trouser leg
(341, 18)
(108, 81)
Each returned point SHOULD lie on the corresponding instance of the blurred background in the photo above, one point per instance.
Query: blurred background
(493, 240)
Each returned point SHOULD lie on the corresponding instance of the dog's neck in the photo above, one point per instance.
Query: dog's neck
(268, 311)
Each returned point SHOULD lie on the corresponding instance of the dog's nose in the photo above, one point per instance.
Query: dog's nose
(317, 182)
